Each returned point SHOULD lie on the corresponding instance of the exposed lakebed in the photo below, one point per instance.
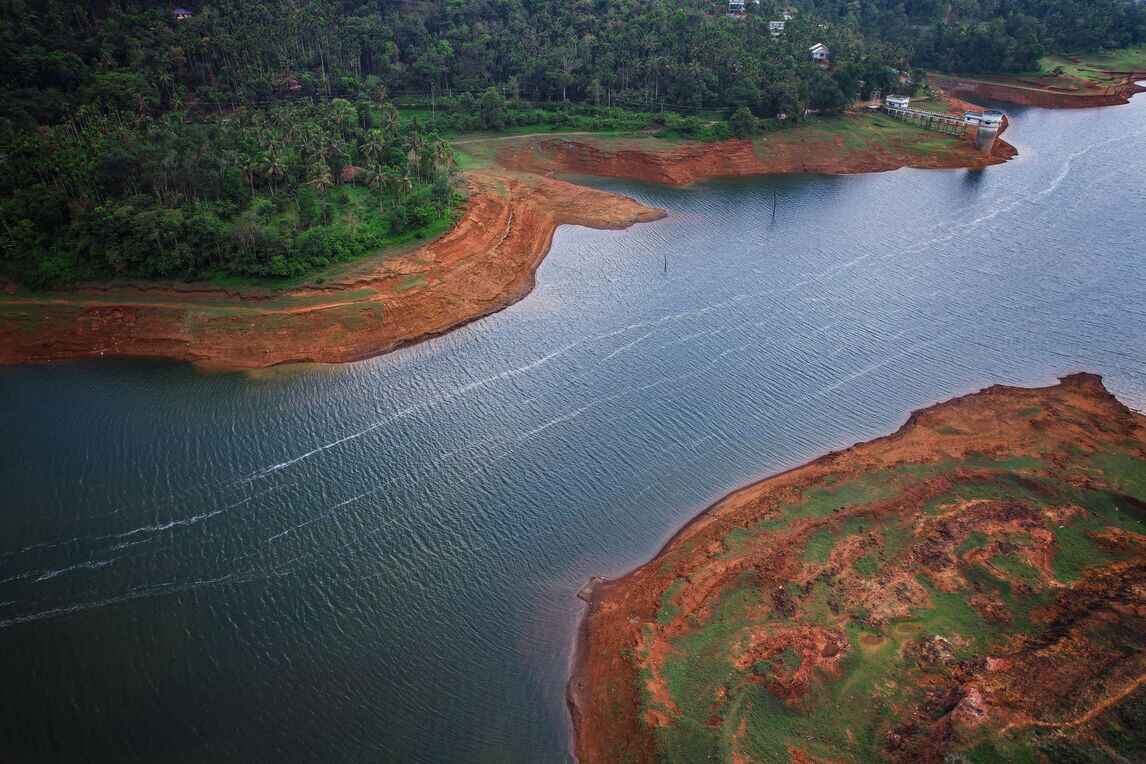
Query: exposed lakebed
(379, 560)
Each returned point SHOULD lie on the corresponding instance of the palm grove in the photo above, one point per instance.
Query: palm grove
(261, 139)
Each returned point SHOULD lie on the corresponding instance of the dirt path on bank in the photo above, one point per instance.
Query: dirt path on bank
(483, 264)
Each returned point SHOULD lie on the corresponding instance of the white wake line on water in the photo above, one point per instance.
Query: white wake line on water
(327, 513)
(144, 529)
(133, 594)
(448, 395)
(1069, 163)
(93, 565)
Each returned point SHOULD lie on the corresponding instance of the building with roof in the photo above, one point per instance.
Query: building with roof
(820, 53)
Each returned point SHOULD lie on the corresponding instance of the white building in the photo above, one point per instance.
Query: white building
(776, 28)
(898, 102)
(820, 53)
(736, 6)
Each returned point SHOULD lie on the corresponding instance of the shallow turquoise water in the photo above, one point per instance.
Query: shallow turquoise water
(378, 561)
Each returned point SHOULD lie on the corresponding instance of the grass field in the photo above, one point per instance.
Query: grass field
(1092, 66)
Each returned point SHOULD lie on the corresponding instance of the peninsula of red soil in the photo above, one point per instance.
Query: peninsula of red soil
(1048, 91)
(485, 263)
(971, 588)
(881, 144)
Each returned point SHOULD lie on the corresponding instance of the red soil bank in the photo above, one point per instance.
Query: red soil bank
(1044, 97)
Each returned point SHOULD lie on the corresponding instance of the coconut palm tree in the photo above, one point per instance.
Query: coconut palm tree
(320, 177)
(374, 145)
(342, 113)
(389, 120)
(273, 167)
(251, 168)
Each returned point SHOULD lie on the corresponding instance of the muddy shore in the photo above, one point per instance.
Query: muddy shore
(621, 695)
(482, 265)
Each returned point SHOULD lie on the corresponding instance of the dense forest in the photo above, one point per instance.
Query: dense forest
(261, 138)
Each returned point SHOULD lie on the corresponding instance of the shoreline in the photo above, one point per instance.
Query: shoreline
(611, 597)
(482, 265)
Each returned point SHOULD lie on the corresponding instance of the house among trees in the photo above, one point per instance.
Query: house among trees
(735, 7)
(820, 53)
(181, 13)
(776, 27)
(898, 101)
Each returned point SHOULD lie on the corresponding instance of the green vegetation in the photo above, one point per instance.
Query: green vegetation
(668, 610)
(850, 713)
(136, 144)
(268, 192)
(819, 546)
(1093, 65)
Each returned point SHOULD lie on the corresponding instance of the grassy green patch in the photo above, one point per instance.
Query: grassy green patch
(1075, 550)
(413, 281)
(1124, 472)
(868, 565)
(668, 610)
(974, 540)
(819, 546)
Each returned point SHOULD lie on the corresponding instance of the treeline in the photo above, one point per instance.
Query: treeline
(675, 54)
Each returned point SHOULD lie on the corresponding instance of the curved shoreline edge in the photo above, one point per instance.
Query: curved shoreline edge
(484, 264)
(608, 597)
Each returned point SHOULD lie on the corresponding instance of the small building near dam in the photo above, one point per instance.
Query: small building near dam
(898, 102)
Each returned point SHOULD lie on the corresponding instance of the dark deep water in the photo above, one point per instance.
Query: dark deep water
(378, 561)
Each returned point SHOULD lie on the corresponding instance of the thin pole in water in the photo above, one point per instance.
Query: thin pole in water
(773, 206)
(666, 263)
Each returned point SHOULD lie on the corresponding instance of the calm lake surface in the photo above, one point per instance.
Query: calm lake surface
(379, 561)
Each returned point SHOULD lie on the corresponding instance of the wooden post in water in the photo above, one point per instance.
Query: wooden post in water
(773, 205)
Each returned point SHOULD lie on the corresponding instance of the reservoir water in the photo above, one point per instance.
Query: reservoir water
(379, 561)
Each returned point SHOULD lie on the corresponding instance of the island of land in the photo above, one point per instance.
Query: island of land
(970, 588)
(484, 263)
